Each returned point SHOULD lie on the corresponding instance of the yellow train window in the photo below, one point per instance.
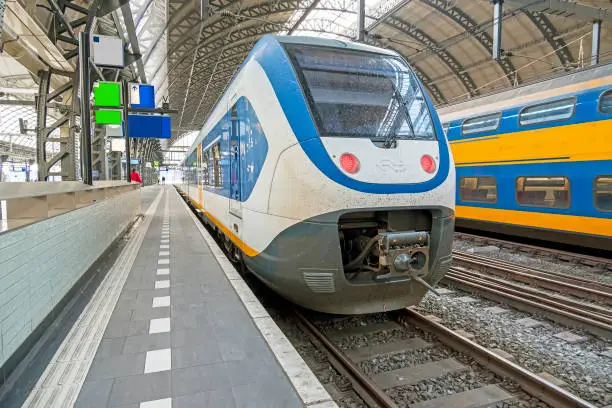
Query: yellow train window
(478, 189)
(551, 192)
(548, 112)
(603, 193)
(480, 124)
(605, 102)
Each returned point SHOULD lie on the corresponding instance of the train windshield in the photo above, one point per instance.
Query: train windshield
(362, 94)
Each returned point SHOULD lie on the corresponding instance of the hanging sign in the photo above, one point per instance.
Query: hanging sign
(142, 96)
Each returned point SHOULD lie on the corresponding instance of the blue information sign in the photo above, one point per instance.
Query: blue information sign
(149, 126)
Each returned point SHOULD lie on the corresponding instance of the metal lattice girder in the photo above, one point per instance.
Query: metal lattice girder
(449, 60)
(15, 150)
(551, 36)
(236, 54)
(459, 17)
(566, 8)
(67, 150)
(219, 27)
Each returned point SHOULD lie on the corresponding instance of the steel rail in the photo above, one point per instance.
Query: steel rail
(367, 389)
(540, 278)
(532, 384)
(566, 255)
(538, 294)
(588, 283)
(606, 287)
(557, 313)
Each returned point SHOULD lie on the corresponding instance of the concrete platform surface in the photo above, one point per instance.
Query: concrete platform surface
(173, 325)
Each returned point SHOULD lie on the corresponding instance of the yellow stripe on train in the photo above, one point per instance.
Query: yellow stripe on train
(578, 142)
(247, 250)
(559, 222)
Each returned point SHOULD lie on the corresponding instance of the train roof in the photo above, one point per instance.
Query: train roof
(565, 83)
(324, 42)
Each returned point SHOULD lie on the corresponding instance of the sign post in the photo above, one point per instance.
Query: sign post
(128, 154)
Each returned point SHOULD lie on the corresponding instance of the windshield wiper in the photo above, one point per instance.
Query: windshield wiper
(391, 139)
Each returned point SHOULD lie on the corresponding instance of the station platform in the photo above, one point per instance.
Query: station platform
(170, 324)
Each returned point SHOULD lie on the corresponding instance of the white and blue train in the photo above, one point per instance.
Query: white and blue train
(325, 170)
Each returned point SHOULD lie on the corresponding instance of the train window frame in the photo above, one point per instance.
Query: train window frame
(478, 201)
(498, 116)
(600, 99)
(524, 108)
(595, 193)
(569, 193)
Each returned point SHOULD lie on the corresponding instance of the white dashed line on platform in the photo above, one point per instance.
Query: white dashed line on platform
(158, 360)
(159, 325)
(163, 271)
(162, 284)
(161, 301)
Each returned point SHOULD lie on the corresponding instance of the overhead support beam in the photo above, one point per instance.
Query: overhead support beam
(472, 29)
(361, 21)
(497, 28)
(566, 8)
(305, 14)
(595, 42)
(128, 19)
(551, 35)
(428, 42)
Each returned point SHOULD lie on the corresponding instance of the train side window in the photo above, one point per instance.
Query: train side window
(478, 189)
(480, 124)
(205, 169)
(550, 192)
(216, 153)
(605, 102)
(603, 193)
(548, 112)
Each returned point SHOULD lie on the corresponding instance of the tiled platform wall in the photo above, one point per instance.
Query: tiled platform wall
(41, 262)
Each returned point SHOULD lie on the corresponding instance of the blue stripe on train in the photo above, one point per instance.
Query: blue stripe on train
(587, 110)
(241, 179)
(581, 176)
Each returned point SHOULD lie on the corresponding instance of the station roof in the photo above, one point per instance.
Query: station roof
(190, 52)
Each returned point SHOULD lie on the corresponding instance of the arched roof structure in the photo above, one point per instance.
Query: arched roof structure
(448, 42)
(191, 48)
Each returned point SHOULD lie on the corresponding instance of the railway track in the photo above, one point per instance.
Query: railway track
(521, 288)
(587, 260)
(377, 389)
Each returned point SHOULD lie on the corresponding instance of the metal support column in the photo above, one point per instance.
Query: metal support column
(128, 154)
(98, 149)
(595, 42)
(497, 28)
(84, 83)
(361, 21)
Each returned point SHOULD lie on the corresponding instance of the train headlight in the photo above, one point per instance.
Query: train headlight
(428, 163)
(350, 163)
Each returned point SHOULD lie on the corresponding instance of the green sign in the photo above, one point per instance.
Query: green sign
(108, 117)
(156, 164)
(107, 94)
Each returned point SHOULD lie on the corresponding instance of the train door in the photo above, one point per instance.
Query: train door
(235, 201)
(199, 180)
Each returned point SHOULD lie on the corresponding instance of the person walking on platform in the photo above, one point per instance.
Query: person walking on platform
(134, 176)
(163, 180)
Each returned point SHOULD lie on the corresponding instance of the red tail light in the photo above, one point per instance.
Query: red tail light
(428, 164)
(349, 163)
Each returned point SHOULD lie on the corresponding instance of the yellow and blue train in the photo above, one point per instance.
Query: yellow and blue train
(536, 161)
